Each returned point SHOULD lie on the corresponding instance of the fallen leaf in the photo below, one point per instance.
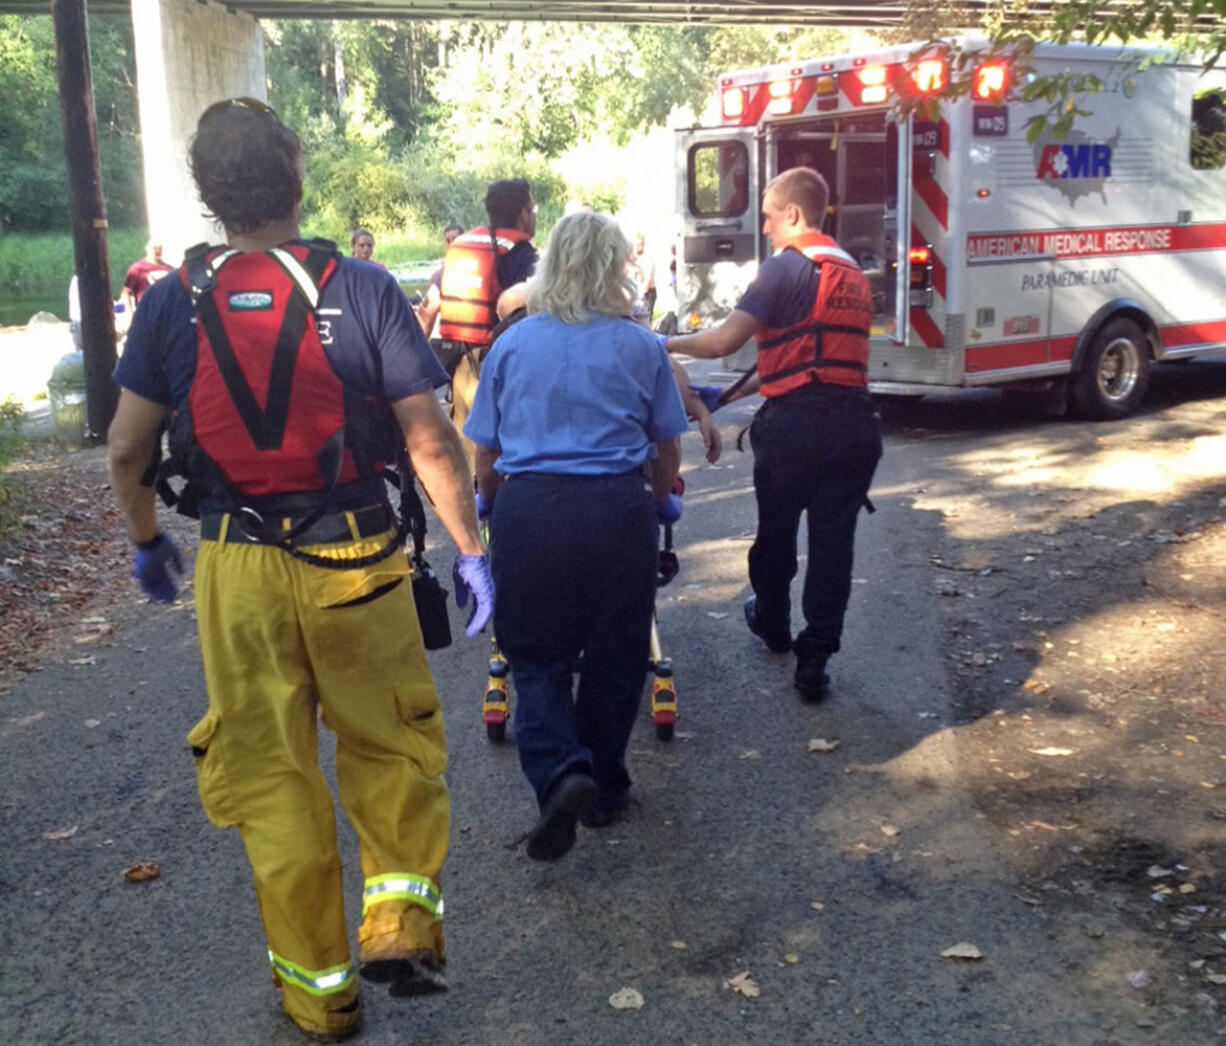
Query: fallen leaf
(719, 615)
(1187, 888)
(90, 660)
(91, 723)
(791, 957)
(962, 950)
(60, 833)
(677, 945)
(751, 753)
(1216, 978)
(140, 873)
(1156, 871)
(817, 906)
(820, 744)
(626, 999)
(745, 984)
(1052, 751)
(889, 830)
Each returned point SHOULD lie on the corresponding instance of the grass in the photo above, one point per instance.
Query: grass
(37, 261)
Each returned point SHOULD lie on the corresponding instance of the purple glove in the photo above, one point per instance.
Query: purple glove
(471, 574)
(156, 565)
(668, 510)
(484, 508)
(710, 396)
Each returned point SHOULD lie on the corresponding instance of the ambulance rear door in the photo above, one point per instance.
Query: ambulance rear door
(718, 190)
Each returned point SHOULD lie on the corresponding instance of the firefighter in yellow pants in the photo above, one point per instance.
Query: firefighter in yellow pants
(290, 378)
(333, 648)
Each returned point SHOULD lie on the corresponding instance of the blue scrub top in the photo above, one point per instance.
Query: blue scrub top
(575, 399)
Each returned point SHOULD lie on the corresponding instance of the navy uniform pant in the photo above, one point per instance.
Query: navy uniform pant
(815, 452)
(574, 564)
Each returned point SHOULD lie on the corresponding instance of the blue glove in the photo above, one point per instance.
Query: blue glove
(471, 574)
(156, 565)
(484, 508)
(709, 394)
(668, 510)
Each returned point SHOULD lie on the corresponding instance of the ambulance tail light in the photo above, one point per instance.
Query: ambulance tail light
(732, 103)
(930, 75)
(920, 258)
(991, 82)
(781, 93)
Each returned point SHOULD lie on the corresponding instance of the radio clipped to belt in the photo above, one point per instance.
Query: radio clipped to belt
(428, 594)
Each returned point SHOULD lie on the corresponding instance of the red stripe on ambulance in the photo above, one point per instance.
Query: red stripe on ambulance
(1057, 244)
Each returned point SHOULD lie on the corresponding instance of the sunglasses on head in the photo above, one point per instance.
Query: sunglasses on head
(254, 104)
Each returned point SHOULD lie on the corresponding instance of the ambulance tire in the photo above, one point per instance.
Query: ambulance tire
(1114, 374)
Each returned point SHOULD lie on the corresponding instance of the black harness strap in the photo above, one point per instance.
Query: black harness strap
(814, 328)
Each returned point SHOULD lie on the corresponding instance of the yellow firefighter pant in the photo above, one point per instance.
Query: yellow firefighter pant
(463, 389)
(284, 641)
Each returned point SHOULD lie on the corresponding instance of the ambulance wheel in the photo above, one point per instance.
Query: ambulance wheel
(664, 731)
(1114, 375)
(496, 732)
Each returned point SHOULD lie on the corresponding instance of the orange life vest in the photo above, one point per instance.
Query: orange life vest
(830, 345)
(470, 285)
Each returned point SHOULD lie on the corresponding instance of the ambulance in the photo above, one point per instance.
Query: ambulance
(1070, 263)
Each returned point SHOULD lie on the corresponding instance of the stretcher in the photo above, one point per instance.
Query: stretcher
(496, 704)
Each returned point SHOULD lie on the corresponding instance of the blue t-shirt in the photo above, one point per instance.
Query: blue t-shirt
(368, 332)
(576, 399)
(783, 291)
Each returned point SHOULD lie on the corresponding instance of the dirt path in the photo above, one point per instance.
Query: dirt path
(1083, 583)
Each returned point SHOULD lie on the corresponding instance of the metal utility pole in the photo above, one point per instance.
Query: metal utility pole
(88, 212)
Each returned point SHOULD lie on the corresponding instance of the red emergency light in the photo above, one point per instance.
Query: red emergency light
(929, 75)
(991, 81)
(919, 255)
(732, 103)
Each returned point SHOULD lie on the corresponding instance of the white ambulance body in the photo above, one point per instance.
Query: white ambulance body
(993, 260)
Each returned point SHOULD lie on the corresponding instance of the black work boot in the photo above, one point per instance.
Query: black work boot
(776, 643)
(811, 679)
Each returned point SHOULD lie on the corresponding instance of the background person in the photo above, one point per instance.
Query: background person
(285, 640)
(362, 246)
(816, 440)
(575, 401)
(142, 274)
(476, 268)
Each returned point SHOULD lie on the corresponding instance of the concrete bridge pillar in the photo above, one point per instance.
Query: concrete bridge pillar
(189, 54)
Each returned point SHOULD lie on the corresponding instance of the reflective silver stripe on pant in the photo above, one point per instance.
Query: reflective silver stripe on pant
(316, 982)
(403, 886)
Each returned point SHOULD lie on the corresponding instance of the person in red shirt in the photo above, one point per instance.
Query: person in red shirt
(142, 275)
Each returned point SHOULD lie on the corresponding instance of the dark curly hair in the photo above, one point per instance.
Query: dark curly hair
(247, 167)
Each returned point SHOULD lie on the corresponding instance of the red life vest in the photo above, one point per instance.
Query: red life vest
(830, 345)
(470, 286)
(265, 413)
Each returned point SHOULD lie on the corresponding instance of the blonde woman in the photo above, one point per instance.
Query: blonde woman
(576, 421)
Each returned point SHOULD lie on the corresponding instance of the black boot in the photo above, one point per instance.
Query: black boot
(811, 679)
(776, 643)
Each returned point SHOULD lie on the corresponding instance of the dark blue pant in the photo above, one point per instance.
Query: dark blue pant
(574, 565)
(815, 451)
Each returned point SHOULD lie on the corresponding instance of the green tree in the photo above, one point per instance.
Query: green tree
(33, 180)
